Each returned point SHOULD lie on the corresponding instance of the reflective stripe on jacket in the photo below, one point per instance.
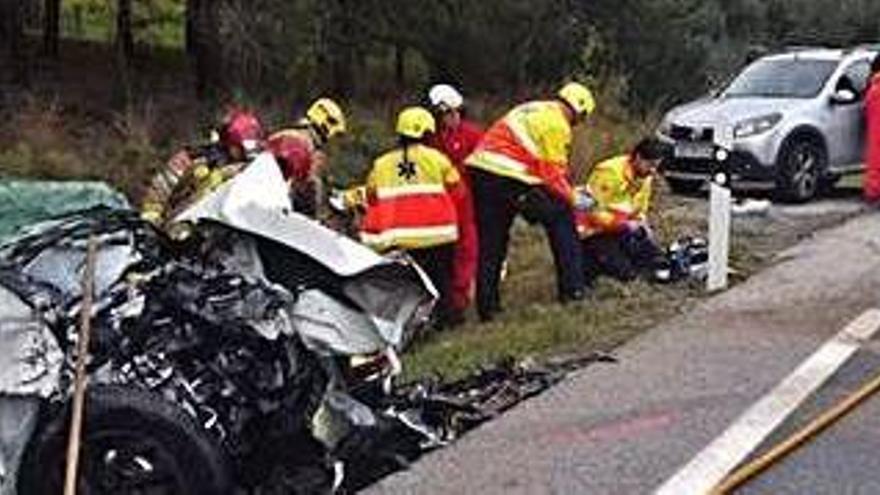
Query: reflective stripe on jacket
(410, 200)
(530, 144)
(620, 197)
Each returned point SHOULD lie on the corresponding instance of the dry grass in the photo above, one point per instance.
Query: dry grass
(534, 325)
(43, 140)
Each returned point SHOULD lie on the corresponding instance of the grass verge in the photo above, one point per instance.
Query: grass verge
(534, 326)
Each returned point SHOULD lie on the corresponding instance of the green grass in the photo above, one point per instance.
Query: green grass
(157, 23)
(534, 325)
(613, 314)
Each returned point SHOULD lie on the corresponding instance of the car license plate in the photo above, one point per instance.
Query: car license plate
(693, 150)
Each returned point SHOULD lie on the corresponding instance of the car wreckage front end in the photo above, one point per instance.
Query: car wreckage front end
(204, 354)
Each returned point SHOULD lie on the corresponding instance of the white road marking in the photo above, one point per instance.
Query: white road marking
(727, 451)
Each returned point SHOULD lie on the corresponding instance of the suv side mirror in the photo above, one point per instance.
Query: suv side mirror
(844, 97)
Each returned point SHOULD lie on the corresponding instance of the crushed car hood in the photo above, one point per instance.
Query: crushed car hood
(257, 201)
(390, 290)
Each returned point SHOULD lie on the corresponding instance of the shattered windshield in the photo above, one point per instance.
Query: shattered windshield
(775, 78)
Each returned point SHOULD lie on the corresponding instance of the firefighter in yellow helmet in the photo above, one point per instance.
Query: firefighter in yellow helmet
(300, 150)
(521, 165)
(411, 196)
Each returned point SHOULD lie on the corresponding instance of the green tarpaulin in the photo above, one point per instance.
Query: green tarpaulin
(24, 202)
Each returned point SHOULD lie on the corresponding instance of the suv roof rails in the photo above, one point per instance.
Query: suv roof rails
(803, 48)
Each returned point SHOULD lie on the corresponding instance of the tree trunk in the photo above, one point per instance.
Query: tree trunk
(400, 66)
(124, 52)
(124, 34)
(203, 47)
(192, 16)
(14, 49)
(51, 26)
(342, 49)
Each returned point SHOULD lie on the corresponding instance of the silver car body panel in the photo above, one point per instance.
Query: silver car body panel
(30, 358)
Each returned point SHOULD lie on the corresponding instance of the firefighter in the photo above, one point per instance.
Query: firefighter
(616, 238)
(457, 138)
(192, 172)
(411, 194)
(300, 150)
(521, 165)
(872, 135)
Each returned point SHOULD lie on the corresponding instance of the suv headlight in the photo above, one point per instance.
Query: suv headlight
(756, 125)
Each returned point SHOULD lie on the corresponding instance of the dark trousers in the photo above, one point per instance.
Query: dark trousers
(622, 256)
(437, 264)
(497, 201)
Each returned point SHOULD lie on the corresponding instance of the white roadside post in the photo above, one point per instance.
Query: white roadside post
(719, 233)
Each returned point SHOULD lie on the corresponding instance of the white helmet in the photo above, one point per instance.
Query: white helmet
(445, 97)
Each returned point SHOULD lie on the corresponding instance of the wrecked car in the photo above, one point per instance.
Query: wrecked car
(246, 357)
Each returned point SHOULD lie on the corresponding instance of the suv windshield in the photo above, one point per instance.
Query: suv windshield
(789, 78)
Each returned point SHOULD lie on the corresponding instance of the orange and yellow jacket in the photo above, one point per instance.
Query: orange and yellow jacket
(530, 144)
(411, 195)
(620, 196)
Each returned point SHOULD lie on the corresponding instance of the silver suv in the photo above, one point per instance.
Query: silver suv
(793, 119)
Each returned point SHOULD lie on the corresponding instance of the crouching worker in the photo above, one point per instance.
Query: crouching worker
(301, 151)
(615, 235)
(193, 172)
(411, 193)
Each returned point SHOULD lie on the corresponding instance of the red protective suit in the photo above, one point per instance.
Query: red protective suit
(871, 182)
(457, 143)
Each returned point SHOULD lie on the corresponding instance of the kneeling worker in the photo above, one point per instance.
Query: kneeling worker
(615, 235)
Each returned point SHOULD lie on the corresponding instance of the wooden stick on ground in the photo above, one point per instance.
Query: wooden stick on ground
(82, 350)
(799, 438)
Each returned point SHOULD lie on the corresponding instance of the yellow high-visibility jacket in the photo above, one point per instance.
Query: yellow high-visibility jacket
(530, 144)
(620, 196)
(187, 177)
(410, 200)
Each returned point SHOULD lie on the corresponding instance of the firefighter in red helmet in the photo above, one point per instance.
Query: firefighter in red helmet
(194, 171)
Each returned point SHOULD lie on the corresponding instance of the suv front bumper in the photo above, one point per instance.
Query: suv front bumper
(739, 164)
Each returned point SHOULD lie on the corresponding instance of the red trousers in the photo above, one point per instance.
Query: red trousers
(464, 270)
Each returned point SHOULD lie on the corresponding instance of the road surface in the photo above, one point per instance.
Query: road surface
(628, 428)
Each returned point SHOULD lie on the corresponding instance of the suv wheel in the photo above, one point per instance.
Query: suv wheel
(684, 186)
(801, 163)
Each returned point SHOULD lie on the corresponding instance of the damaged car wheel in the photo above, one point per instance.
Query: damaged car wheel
(133, 442)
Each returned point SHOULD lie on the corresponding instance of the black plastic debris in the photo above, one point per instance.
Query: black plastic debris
(430, 414)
